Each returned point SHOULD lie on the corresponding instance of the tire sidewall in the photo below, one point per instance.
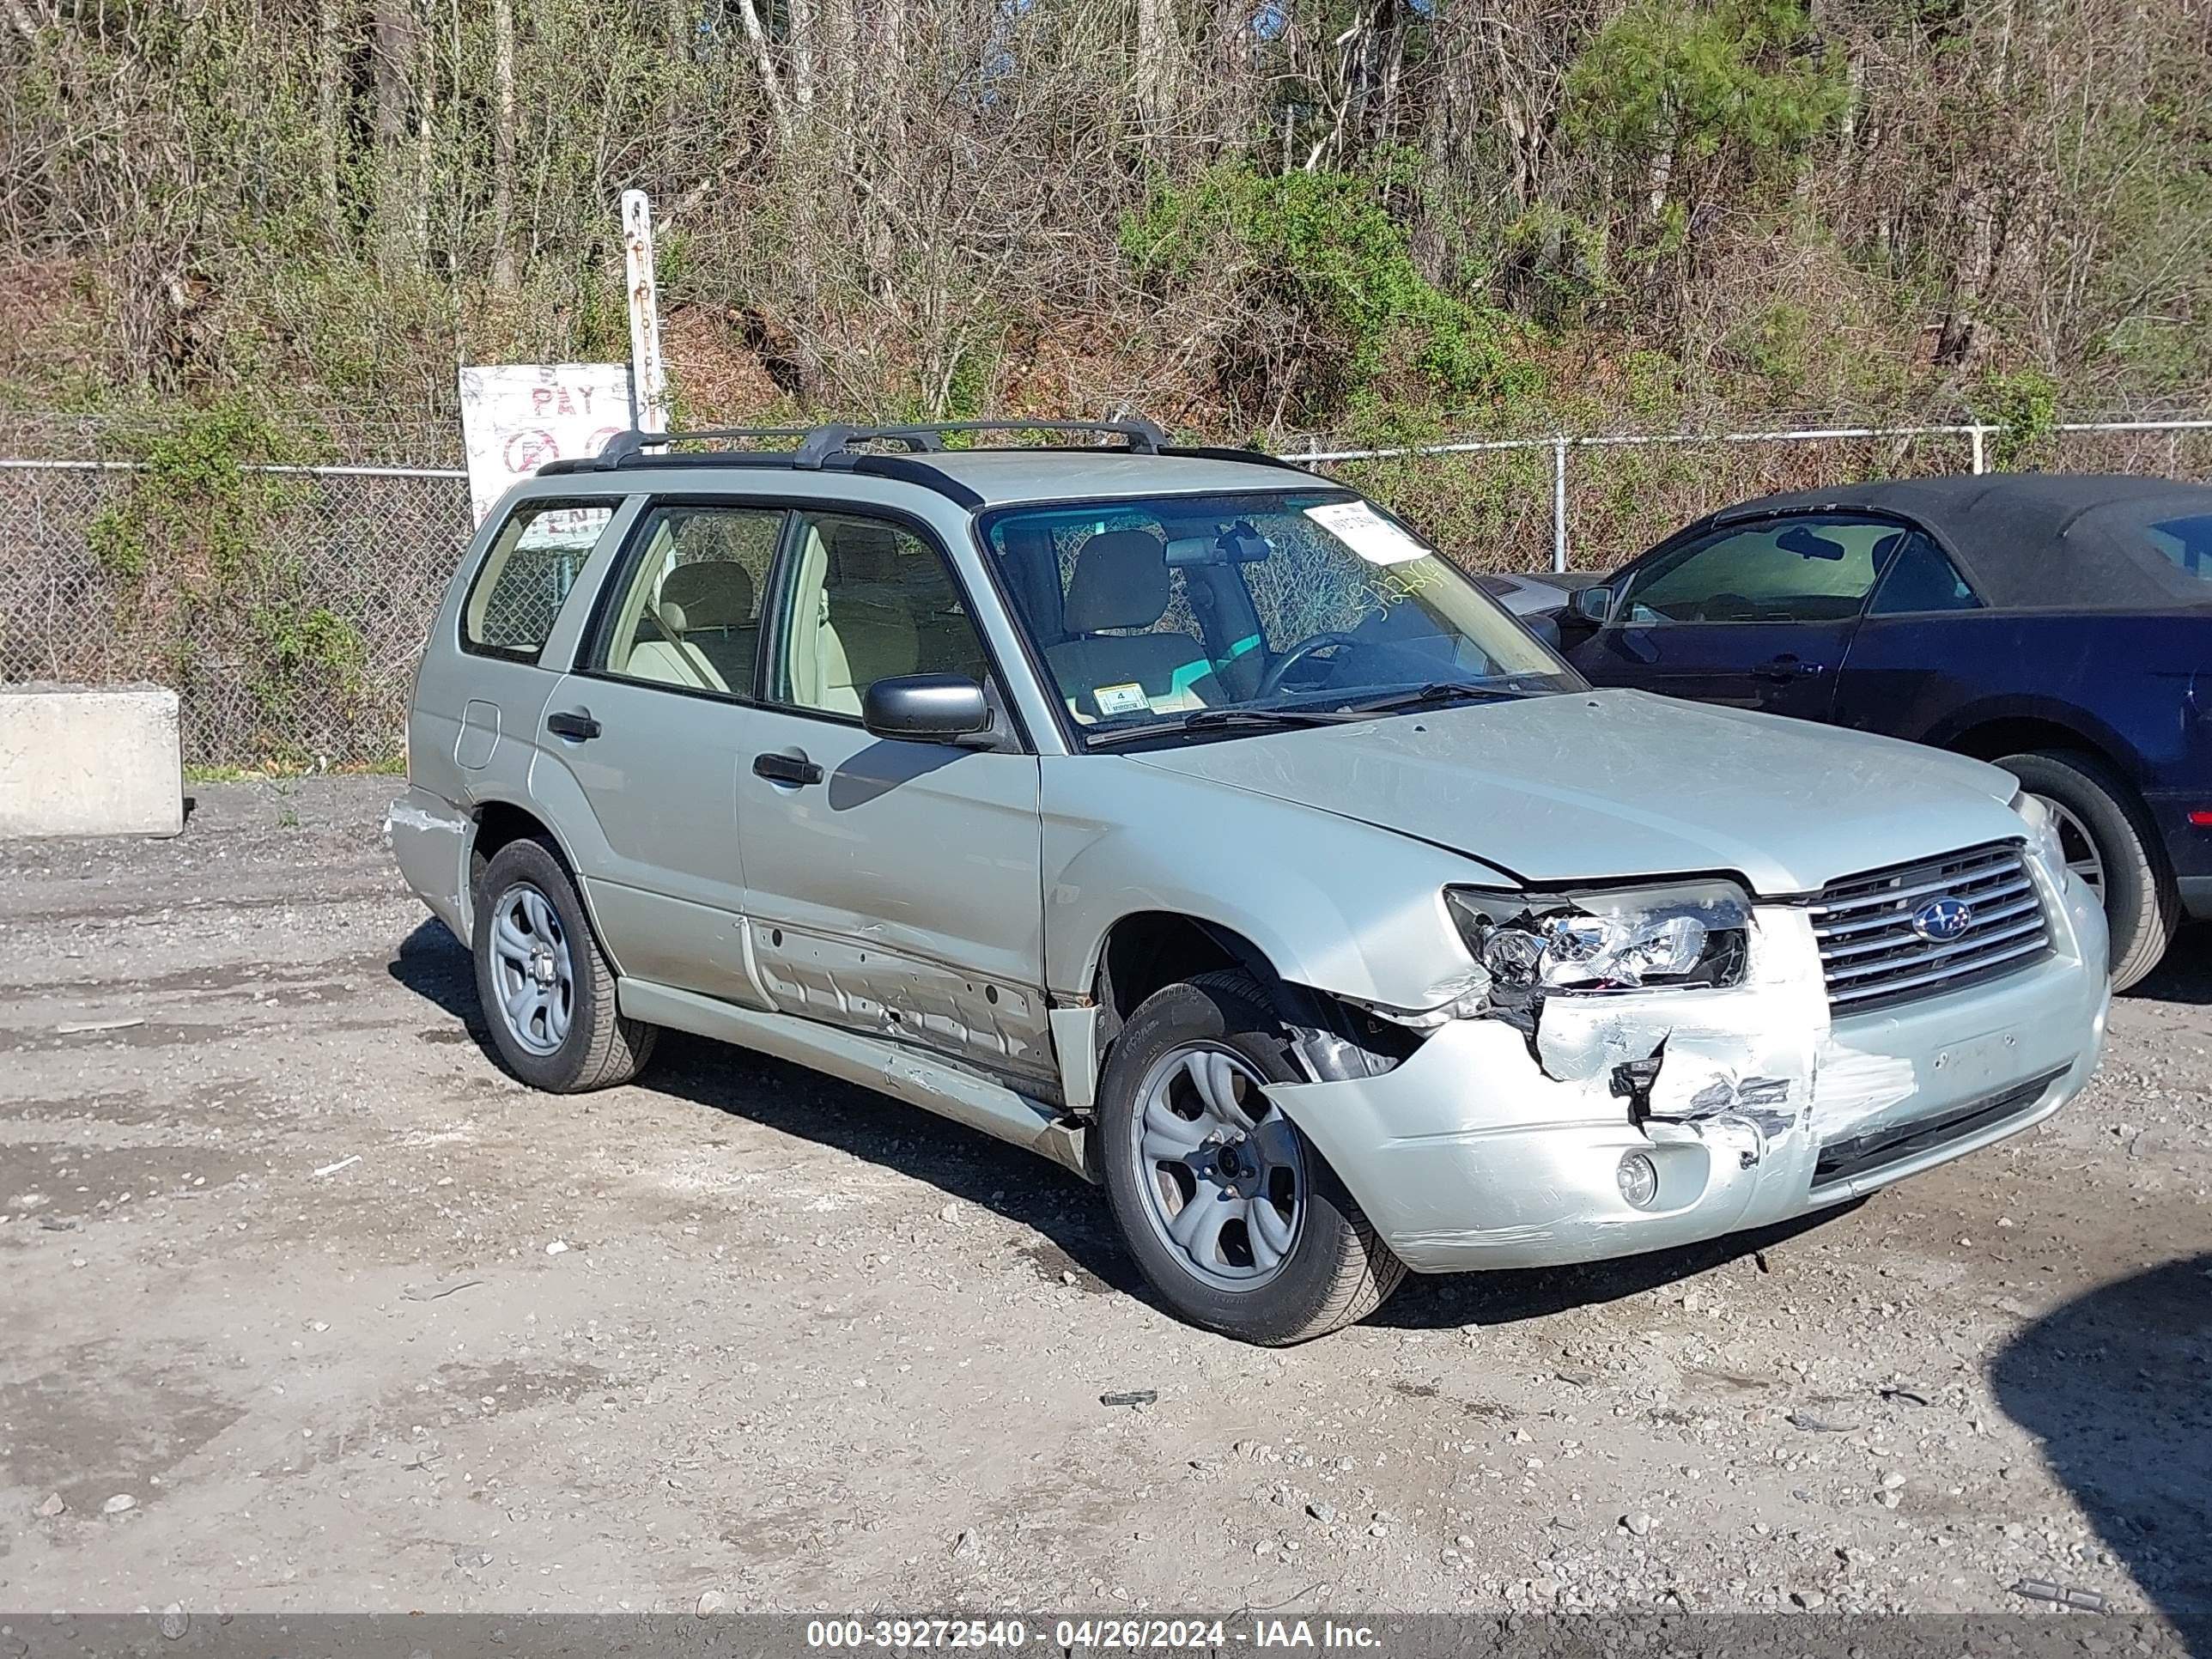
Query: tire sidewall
(1284, 1306)
(2136, 916)
(529, 861)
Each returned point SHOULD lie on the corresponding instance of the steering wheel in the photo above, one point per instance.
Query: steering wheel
(1278, 671)
(1726, 607)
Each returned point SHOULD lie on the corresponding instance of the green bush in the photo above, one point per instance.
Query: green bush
(2024, 408)
(199, 576)
(1318, 253)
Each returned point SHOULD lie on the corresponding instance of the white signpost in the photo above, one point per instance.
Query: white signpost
(517, 416)
(648, 373)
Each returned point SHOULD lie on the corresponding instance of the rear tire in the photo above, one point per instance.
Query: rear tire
(547, 991)
(2143, 906)
(1297, 1258)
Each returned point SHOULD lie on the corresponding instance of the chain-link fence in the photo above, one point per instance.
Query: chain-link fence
(290, 638)
(1590, 502)
(288, 605)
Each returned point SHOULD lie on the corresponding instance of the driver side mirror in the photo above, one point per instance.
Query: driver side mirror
(926, 708)
(1594, 604)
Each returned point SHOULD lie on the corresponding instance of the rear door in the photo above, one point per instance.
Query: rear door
(1757, 615)
(892, 887)
(646, 738)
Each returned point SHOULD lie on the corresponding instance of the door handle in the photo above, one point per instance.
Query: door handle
(787, 768)
(577, 725)
(1781, 670)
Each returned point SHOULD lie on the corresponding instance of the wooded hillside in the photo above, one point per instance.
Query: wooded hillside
(1245, 217)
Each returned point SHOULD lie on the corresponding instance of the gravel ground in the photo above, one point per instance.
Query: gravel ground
(307, 1307)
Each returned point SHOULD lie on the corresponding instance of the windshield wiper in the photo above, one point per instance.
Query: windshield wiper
(1208, 717)
(1437, 691)
(1205, 719)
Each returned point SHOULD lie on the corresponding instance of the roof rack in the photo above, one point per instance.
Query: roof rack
(628, 447)
(818, 444)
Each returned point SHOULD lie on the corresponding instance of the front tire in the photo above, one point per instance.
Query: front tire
(548, 993)
(2110, 846)
(1235, 1219)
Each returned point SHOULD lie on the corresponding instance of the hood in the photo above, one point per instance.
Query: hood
(1591, 787)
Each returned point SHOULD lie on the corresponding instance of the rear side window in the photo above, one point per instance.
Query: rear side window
(533, 562)
(2186, 544)
(689, 610)
(1919, 578)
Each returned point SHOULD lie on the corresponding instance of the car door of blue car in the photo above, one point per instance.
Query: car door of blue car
(1757, 615)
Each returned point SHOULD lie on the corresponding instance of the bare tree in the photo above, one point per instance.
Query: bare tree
(394, 42)
(502, 143)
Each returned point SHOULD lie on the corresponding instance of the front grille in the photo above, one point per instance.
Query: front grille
(1869, 1154)
(1873, 958)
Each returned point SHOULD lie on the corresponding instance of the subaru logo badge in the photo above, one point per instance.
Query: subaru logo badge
(1942, 919)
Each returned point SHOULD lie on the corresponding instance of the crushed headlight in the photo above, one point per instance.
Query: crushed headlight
(1691, 934)
(2042, 839)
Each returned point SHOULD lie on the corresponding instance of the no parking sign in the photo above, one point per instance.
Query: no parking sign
(517, 416)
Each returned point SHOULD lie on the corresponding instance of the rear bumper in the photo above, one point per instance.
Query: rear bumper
(2196, 897)
(430, 838)
(2188, 846)
(1476, 1153)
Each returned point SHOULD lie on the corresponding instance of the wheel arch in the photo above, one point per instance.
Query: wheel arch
(1990, 731)
(496, 823)
(1144, 952)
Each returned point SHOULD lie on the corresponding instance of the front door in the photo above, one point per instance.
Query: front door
(892, 887)
(647, 738)
(1755, 616)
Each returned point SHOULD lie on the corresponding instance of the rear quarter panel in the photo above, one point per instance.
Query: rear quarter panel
(2119, 682)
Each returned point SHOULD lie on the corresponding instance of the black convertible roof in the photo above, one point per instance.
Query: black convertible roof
(2033, 539)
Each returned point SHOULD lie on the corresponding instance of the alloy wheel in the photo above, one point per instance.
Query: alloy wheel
(2078, 846)
(532, 972)
(1221, 1172)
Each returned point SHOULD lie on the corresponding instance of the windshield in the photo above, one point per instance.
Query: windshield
(1149, 611)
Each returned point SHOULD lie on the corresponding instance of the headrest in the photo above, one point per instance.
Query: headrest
(863, 553)
(669, 615)
(1121, 580)
(714, 593)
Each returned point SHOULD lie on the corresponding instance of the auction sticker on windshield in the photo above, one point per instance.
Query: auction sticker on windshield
(1129, 699)
(1367, 532)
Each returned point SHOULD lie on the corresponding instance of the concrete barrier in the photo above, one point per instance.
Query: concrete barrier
(82, 760)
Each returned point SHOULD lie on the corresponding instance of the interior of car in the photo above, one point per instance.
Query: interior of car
(871, 601)
(1115, 657)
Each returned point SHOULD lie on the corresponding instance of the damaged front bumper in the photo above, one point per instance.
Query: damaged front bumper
(1488, 1148)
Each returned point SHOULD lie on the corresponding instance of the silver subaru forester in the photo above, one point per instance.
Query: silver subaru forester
(1186, 818)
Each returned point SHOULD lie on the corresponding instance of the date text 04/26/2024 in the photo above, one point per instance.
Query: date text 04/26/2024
(1087, 1635)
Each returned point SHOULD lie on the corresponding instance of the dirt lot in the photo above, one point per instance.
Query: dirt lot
(307, 1307)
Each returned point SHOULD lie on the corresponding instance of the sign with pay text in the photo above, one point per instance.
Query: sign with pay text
(517, 416)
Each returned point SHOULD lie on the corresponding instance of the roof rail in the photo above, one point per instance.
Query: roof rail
(626, 446)
(1224, 452)
(823, 441)
(818, 443)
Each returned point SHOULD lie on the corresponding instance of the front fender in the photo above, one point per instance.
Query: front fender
(1333, 903)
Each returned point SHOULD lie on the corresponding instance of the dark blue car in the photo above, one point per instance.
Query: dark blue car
(2060, 626)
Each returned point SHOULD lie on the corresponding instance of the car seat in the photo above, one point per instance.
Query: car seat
(715, 596)
(1121, 581)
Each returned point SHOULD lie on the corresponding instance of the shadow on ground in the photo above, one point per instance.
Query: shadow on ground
(1076, 1232)
(2118, 1386)
(2185, 974)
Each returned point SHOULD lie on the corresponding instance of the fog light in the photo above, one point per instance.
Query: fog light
(1639, 1180)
